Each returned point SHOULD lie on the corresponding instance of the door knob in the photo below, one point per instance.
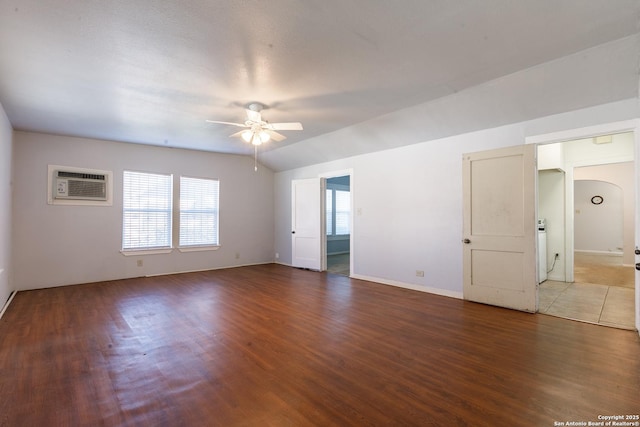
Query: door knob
(293, 232)
(466, 241)
(638, 266)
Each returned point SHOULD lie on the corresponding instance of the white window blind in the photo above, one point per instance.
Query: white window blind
(199, 203)
(343, 212)
(146, 207)
(329, 212)
(338, 212)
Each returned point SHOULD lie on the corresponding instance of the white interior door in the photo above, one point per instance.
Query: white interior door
(500, 227)
(307, 243)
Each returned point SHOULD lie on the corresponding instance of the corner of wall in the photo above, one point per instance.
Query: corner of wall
(6, 168)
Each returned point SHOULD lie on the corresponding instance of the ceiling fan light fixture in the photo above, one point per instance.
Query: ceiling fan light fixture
(264, 136)
(257, 130)
(256, 137)
(247, 135)
(256, 140)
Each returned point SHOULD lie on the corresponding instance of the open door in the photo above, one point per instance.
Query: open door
(499, 250)
(307, 242)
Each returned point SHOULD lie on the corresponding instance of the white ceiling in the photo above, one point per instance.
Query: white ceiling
(152, 72)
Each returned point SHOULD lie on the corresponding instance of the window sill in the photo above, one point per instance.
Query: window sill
(333, 237)
(199, 248)
(137, 252)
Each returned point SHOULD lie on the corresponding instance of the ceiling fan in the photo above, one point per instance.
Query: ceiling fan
(258, 130)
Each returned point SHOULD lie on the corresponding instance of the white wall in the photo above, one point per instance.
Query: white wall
(598, 228)
(551, 207)
(60, 245)
(622, 175)
(550, 156)
(583, 152)
(6, 149)
(408, 200)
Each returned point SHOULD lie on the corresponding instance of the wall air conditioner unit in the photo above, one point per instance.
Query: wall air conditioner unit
(79, 185)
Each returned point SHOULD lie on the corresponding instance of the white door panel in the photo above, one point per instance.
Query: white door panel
(499, 254)
(306, 223)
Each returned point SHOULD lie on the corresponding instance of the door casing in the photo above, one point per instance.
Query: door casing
(598, 130)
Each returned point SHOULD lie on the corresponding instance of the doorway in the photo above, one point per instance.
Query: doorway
(338, 224)
(586, 197)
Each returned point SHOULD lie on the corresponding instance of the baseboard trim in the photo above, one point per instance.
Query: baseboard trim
(282, 263)
(426, 289)
(6, 305)
(420, 288)
(208, 269)
(603, 253)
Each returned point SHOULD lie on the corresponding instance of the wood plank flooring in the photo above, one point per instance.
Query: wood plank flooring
(275, 346)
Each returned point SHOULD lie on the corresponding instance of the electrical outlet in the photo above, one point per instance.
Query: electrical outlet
(237, 255)
(139, 263)
(419, 273)
(277, 255)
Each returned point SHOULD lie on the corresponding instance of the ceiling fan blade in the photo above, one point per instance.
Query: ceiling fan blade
(254, 116)
(285, 126)
(227, 123)
(277, 137)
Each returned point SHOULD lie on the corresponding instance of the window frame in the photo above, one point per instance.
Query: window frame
(332, 216)
(169, 211)
(197, 247)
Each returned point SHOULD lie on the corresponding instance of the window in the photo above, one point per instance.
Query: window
(329, 212)
(338, 212)
(343, 212)
(146, 211)
(198, 212)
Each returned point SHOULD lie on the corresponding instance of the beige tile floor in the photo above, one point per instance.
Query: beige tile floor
(603, 292)
(594, 303)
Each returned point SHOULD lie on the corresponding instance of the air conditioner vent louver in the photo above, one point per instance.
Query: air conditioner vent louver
(64, 174)
(80, 186)
(86, 189)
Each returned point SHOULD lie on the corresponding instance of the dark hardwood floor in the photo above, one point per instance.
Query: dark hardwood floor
(276, 346)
